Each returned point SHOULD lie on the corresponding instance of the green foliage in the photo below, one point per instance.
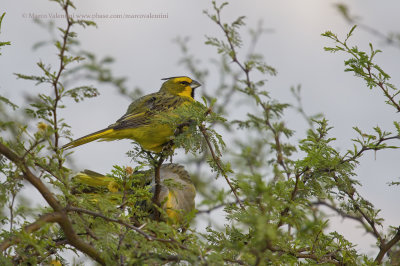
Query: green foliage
(8, 102)
(362, 65)
(272, 186)
(3, 43)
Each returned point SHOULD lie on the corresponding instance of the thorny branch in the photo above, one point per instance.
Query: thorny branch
(57, 78)
(218, 162)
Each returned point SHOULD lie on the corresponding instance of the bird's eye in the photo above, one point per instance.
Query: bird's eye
(184, 83)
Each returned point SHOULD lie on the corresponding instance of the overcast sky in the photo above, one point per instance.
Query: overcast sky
(145, 52)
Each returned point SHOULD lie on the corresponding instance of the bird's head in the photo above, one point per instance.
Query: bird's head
(183, 86)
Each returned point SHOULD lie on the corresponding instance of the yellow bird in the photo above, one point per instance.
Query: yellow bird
(176, 196)
(140, 123)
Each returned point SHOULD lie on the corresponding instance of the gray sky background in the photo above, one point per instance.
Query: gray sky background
(145, 53)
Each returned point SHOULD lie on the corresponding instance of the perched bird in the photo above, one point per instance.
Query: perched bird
(176, 196)
(140, 123)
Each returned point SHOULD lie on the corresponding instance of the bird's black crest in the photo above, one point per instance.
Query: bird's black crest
(174, 77)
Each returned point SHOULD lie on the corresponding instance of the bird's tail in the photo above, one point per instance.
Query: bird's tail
(88, 138)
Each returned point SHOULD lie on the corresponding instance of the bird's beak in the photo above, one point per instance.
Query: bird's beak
(195, 84)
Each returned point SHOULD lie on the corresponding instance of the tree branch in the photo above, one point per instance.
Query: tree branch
(45, 218)
(30, 177)
(64, 222)
(384, 248)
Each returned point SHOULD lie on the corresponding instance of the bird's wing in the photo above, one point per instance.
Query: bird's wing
(141, 111)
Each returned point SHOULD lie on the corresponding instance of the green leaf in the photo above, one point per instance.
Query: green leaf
(8, 102)
(350, 32)
(81, 93)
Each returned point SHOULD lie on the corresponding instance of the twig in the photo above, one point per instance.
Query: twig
(363, 214)
(300, 254)
(57, 78)
(240, 262)
(11, 207)
(279, 152)
(380, 84)
(293, 195)
(371, 76)
(88, 230)
(385, 91)
(218, 162)
(345, 215)
(121, 240)
(122, 234)
(164, 258)
(34, 145)
(147, 236)
(95, 214)
(208, 211)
